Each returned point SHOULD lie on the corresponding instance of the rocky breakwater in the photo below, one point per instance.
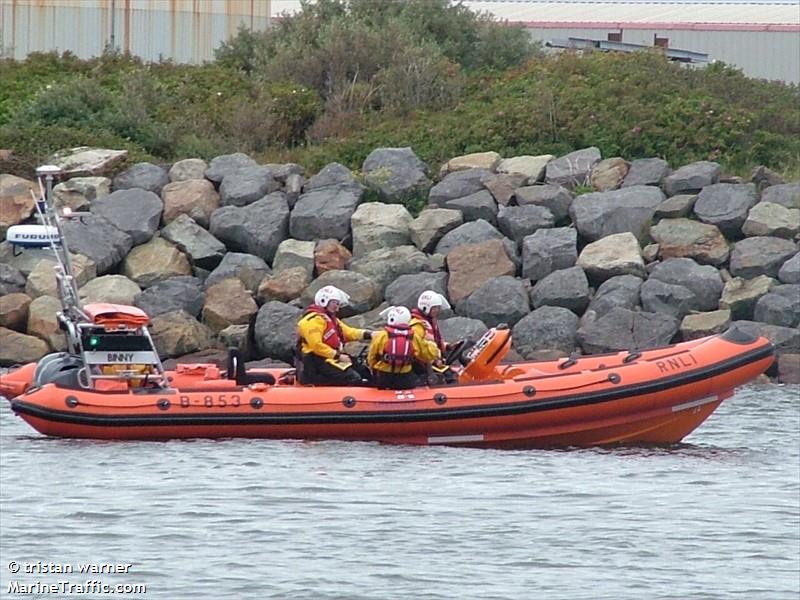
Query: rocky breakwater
(578, 254)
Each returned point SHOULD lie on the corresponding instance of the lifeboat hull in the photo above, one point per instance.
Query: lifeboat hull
(653, 397)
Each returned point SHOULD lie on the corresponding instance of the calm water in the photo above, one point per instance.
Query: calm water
(716, 517)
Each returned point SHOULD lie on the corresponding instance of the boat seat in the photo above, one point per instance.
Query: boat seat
(237, 371)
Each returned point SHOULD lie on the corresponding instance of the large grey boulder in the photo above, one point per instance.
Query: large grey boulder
(196, 198)
(376, 225)
(26, 261)
(499, 300)
(609, 173)
(568, 288)
(785, 194)
(431, 225)
(284, 171)
(324, 212)
(188, 169)
(177, 333)
(531, 167)
(556, 198)
(246, 185)
(623, 329)
(201, 248)
(155, 261)
(134, 211)
(256, 229)
(621, 291)
(725, 205)
(740, 295)
(518, 222)
(16, 201)
(78, 193)
(768, 218)
(548, 250)
(760, 256)
(115, 289)
(397, 174)
(703, 280)
(295, 253)
(228, 303)
(14, 311)
(12, 281)
(785, 339)
(546, 333)
(461, 328)
(469, 233)
(690, 239)
(364, 293)
(475, 160)
(250, 269)
(334, 175)
(667, 298)
(790, 271)
(676, 207)
(85, 161)
(43, 322)
(573, 169)
(646, 171)
(293, 188)
(385, 265)
(275, 330)
(692, 178)
(472, 265)
(406, 289)
(779, 307)
(98, 239)
(600, 214)
(480, 205)
(457, 185)
(503, 186)
(618, 254)
(175, 293)
(706, 323)
(221, 166)
(145, 176)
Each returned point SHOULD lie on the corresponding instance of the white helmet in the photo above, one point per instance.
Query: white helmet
(428, 299)
(396, 315)
(328, 293)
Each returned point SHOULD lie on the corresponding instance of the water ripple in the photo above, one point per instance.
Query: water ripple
(715, 517)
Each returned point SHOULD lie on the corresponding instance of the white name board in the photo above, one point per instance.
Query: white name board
(115, 357)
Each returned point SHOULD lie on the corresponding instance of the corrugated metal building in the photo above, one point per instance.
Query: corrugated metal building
(181, 30)
(761, 38)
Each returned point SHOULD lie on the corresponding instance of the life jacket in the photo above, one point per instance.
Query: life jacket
(333, 335)
(398, 351)
(432, 332)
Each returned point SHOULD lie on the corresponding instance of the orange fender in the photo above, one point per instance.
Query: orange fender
(14, 383)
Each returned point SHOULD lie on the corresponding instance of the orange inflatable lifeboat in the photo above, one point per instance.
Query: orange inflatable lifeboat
(651, 396)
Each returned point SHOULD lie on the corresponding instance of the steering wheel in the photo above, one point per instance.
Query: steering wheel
(454, 351)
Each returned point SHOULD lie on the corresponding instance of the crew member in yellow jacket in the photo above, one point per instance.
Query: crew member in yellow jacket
(394, 351)
(321, 336)
(425, 324)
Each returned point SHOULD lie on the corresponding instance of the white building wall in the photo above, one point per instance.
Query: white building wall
(762, 54)
(186, 31)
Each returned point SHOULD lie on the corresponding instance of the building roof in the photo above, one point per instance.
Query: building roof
(747, 15)
(675, 14)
